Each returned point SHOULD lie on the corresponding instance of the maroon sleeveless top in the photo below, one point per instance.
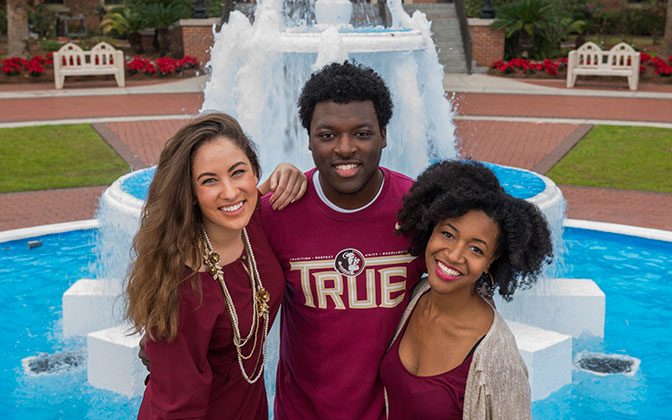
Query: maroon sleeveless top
(423, 397)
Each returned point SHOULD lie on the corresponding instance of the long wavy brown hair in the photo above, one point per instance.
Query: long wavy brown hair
(168, 237)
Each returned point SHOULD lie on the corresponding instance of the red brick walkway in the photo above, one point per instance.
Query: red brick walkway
(522, 145)
(525, 145)
(646, 209)
(35, 208)
(582, 107)
(56, 108)
(146, 138)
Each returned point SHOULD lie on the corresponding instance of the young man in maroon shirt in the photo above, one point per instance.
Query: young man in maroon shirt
(347, 271)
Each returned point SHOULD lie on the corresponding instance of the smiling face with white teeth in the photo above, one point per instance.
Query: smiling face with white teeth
(459, 251)
(224, 186)
(347, 141)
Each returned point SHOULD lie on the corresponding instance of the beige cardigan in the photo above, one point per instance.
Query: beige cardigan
(497, 384)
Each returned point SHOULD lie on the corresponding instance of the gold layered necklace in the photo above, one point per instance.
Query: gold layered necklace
(260, 299)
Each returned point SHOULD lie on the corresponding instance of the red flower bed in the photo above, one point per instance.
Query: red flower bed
(660, 66)
(34, 66)
(37, 65)
(138, 64)
(164, 65)
(13, 66)
(530, 67)
(167, 65)
(189, 62)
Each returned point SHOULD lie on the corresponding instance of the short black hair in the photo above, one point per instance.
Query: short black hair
(451, 188)
(343, 83)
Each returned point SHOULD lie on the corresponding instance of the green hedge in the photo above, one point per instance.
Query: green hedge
(642, 19)
(213, 7)
(474, 7)
(620, 17)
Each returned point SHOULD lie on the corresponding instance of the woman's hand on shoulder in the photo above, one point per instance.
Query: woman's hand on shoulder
(287, 183)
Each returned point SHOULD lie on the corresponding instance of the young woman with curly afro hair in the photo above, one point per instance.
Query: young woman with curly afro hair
(453, 355)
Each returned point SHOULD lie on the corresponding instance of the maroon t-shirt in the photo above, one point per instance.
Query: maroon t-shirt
(347, 276)
(439, 397)
(197, 375)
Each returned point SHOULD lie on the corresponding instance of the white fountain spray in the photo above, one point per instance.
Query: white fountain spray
(258, 70)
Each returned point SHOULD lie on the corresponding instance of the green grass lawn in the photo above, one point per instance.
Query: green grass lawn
(630, 158)
(57, 156)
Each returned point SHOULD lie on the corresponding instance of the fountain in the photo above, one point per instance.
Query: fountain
(257, 72)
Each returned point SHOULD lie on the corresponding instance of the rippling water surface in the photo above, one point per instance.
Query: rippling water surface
(634, 274)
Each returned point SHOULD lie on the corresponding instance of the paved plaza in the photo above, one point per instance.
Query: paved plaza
(529, 125)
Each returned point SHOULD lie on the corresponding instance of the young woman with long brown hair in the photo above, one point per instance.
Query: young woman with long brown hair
(205, 285)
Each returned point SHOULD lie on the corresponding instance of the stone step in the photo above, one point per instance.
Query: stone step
(454, 63)
(448, 44)
(569, 306)
(547, 355)
(113, 362)
(445, 34)
(445, 29)
(446, 52)
(438, 10)
(88, 306)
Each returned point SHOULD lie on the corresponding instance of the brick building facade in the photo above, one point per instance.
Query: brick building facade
(487, 44)
(193, 37)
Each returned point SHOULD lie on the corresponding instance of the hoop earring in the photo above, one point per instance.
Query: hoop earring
(492, 283)
(484, 287)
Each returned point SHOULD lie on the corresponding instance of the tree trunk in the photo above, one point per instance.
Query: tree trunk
(526, 43)
(667, 38)
(163, 35)
(135, 40)
(17, 28)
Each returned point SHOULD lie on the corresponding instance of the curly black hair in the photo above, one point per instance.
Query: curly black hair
(449, 189)
(343, 83)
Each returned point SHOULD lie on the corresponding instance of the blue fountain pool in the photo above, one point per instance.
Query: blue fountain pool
(517, 182)
(631, 271)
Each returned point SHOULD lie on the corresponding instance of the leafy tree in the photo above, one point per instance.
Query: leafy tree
(160, 15)
(126, 23)
(526, 18)
(42, 20)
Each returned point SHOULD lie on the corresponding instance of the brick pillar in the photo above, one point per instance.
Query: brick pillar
(196, 38)
(487, 44)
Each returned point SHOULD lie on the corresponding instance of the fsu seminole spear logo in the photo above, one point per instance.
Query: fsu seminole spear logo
(349, 262)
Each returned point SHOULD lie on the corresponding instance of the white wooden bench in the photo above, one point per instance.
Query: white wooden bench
(103, 59)
(590, 60)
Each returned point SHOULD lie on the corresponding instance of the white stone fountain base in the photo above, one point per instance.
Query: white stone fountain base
(568, 308)
(547, 355)
(88, 306)
(113, 362)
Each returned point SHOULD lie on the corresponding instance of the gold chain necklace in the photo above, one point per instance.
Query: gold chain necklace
(260, 299)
